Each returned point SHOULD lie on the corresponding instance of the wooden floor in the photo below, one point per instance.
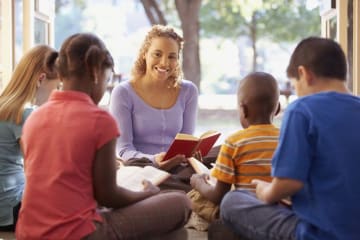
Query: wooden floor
(7, 236)
(196, 235)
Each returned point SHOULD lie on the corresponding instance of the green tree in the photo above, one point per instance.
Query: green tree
(277, 20)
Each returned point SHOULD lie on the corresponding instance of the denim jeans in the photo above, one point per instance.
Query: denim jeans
(251, 219)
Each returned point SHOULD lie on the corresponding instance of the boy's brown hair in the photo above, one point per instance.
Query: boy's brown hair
(324, 57)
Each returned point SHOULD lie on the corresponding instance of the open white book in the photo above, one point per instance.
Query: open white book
(131, 177)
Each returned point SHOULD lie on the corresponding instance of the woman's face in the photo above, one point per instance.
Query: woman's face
(162, 58)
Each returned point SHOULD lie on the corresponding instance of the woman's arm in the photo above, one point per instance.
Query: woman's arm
(191, 107)
(106, 191)
(121, 110)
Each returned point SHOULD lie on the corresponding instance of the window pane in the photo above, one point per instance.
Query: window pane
(41, 31)
(18, 16)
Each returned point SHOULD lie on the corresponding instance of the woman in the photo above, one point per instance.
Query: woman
(31, 83)
(156, 103)
(61, 196)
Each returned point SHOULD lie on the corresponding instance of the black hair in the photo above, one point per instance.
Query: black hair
(82, 53)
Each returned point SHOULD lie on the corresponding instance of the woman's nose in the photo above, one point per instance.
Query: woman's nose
(164, 61)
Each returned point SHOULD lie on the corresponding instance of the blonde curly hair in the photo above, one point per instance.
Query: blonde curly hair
(139, 67)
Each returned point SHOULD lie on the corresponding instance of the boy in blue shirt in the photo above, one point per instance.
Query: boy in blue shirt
(317, 159)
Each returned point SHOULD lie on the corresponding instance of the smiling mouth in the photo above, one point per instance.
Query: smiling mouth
(162, 70)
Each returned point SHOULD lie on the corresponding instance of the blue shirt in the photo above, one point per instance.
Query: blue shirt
(12, 178)
(319, 145)
(144, 130)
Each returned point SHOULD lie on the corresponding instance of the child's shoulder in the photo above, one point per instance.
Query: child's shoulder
(236, 136)
(253, 132)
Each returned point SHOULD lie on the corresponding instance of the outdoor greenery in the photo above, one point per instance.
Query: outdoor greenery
(247, 30)
(277, 20)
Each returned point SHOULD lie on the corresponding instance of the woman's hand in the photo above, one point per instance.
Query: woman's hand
(170, 163)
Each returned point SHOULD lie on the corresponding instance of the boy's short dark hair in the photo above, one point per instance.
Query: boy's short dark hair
(261, 91)
(324, 57)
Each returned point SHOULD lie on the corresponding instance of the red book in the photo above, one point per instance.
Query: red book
(187, 144)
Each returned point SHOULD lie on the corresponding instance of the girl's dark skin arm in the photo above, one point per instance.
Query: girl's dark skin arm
(107, 193)
(212, 193)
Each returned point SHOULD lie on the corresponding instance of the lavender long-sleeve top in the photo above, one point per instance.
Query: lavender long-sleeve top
(146, 131)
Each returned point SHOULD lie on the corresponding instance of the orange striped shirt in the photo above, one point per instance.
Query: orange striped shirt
(247, 155)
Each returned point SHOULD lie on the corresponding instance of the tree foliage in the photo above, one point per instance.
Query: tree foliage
(276, 20)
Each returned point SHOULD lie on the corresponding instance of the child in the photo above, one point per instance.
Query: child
(316, 162)
(31, 83)
(69, 150)
(247, 153)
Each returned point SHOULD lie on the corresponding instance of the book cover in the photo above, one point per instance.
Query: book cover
(131, 177)
(187, 144)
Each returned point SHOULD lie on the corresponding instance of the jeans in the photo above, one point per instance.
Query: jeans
(251, 219)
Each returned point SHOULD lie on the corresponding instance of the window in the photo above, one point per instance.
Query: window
(43, 12)
(329, 19)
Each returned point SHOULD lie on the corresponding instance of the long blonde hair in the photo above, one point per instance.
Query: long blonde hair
(22, 86)
(156, 31)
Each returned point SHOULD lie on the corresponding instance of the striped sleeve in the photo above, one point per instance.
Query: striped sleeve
(224, 169)
(247, 155)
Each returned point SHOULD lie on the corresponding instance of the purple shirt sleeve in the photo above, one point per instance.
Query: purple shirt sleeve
(146, 131)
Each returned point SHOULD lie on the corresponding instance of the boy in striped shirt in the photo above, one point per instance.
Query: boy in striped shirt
(247, 153)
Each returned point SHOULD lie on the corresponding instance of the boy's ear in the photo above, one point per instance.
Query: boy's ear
(278, 109)
(245, 110)
(306, 74)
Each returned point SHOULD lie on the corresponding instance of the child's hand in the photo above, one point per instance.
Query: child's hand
(170, 163)
(151, 188)
(197, 180)
(260, 188)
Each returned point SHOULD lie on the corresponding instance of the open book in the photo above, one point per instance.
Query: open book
(187, 144)
(131, 177)
(200, 168)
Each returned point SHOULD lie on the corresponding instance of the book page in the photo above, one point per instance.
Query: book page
(186, 136)
(209, 133)
(200, 168)
(131, 177)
